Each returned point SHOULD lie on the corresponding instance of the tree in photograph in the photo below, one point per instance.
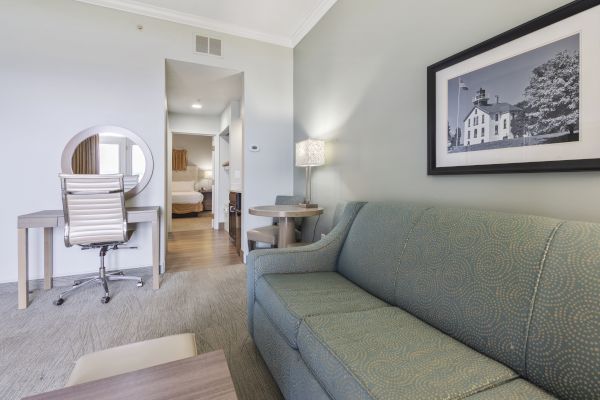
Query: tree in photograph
(519, 121)
(552, 96)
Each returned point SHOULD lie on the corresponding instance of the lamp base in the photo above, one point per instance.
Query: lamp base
(308, 205)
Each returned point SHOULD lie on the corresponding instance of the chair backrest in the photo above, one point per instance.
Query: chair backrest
(94, 209)
(520, 289)
(374, 245)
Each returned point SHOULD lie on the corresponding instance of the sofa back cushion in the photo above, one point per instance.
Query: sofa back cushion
(472, 274)
(371, 253)
(563, 348)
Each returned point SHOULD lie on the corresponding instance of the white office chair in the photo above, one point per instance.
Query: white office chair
(95, 218)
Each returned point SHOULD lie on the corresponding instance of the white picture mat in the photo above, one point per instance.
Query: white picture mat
(588, 146)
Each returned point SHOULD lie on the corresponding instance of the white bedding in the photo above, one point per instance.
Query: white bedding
(186, 197)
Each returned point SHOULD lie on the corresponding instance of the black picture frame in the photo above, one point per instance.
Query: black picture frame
(543, 21)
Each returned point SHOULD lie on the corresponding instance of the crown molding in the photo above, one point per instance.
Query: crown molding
(311, 21)
(147, 10)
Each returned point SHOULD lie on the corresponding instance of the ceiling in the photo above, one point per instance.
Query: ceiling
(213, 87)
(282, 22)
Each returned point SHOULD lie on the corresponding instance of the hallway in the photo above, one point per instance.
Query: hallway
(193, 244)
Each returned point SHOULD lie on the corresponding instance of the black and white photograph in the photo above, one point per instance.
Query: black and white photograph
(522, 101)
(528, 100)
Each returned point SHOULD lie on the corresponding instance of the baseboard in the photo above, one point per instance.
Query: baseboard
(67, 280)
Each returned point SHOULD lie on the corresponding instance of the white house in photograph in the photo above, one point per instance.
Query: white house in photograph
(488, 122)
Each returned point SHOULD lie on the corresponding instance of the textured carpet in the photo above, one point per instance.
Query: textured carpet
(39, 345)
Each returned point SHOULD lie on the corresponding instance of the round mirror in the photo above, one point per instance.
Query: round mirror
(110, 149)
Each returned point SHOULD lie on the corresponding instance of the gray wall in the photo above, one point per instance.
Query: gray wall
(199, 149)
(360, 83)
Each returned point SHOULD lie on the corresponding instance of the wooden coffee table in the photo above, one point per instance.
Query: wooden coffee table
(204, 377)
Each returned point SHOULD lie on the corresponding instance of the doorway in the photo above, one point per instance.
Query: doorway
(203, 164)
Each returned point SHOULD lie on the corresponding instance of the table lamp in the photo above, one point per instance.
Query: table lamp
(309, 153)
(208, 178)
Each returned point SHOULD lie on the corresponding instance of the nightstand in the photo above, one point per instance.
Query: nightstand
(207, 201)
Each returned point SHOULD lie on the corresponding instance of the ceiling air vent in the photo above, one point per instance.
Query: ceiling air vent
(214, 47)
(208, 45)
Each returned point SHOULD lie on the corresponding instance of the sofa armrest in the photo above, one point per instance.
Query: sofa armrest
(320, 256)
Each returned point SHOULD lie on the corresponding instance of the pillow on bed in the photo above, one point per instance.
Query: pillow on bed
(182, 186)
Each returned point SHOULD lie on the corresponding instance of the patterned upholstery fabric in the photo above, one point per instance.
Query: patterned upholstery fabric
(320, 256)
(472, 275)
(563, 351)
(287, 298)
(387, 353)
(518, 389)
(292, 375)
(521, 292)
(375, 244)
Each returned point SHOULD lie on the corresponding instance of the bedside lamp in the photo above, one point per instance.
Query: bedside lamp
(208, 175)
(207, 178)
(309, 153)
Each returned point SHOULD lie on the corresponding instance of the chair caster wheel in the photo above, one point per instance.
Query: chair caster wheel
(59, 301)
(140, 284)
(105, 299)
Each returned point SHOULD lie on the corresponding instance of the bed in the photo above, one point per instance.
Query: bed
(185, 199)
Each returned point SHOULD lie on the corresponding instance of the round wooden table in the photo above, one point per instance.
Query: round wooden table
(286, 215)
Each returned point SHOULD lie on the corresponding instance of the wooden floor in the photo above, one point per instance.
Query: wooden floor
(193, 244)
(202, 221)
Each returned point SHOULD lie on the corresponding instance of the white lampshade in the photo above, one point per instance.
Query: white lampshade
(310, 153)
(208, 174)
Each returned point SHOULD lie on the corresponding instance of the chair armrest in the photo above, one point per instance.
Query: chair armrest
(320, 256)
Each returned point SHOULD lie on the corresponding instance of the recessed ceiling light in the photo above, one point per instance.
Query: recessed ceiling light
(197, 106)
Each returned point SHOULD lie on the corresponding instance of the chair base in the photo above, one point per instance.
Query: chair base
(102, 278)
(103, 281)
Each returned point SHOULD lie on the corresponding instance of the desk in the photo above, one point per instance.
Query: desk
(204, 377)
(51, 219)
(286, 215)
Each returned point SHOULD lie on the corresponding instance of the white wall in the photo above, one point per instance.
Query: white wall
(75, 65)
(360, 83)
(232, 116)
(195, 124)
(223, 183)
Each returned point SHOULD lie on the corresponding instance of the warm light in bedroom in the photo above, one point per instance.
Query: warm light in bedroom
(197, 106)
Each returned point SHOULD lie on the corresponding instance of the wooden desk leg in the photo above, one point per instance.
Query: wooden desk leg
(155, 254)
(287, 232)
(48, 257)
(23, 285)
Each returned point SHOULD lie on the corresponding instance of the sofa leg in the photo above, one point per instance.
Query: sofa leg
(251, 245)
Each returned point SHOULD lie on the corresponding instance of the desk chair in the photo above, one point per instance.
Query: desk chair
(95, 218)
(269, 234)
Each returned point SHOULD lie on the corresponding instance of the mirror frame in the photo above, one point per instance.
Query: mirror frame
(67, 154)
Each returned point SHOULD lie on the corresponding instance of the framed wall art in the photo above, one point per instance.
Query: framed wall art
(527, 100)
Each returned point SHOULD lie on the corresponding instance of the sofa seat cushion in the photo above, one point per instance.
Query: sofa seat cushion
(387, 353)
(288, 298)
(518, 389)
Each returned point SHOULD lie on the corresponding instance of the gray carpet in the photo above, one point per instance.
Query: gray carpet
(39, 345)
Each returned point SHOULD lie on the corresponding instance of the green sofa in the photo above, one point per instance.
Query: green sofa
(402, 301)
